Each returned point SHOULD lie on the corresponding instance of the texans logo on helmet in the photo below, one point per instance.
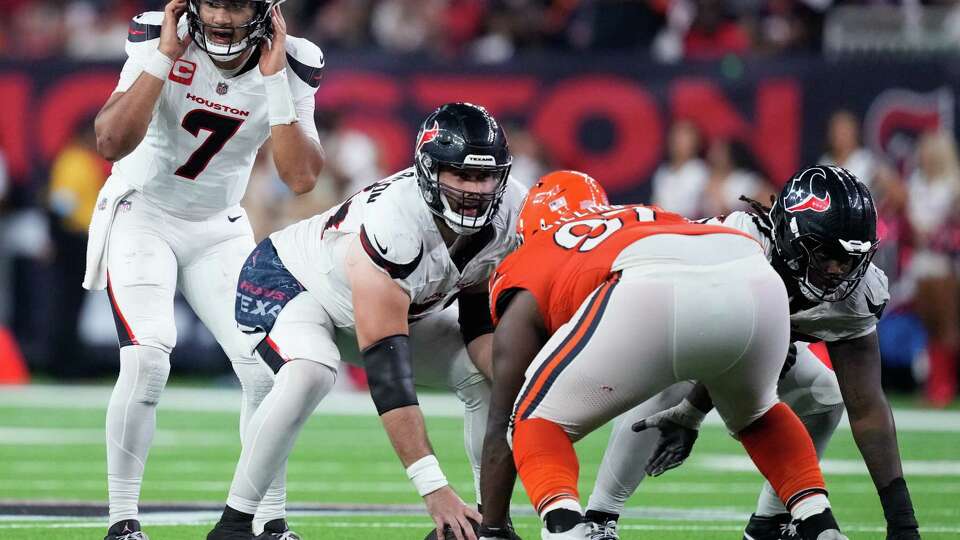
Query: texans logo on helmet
(812, 202)
(428, 135)
(803, 183)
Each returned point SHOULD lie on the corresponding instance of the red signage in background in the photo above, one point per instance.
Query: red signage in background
(608, 122)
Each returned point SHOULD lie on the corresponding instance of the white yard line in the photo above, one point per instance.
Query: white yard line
(735, 463)
(207, 518)
(386, 487)
(218, 399)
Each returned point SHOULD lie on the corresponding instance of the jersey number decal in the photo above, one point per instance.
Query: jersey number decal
(591, 232)
(221, 129)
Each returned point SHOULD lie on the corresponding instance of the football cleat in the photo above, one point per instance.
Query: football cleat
(226, 530)
(127, 529)
(832, 534)
(602, 531)
(277, 529)
(578, 532)
(778, 527)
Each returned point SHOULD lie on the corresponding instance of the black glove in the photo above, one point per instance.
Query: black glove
(789, 362)
(678, 431)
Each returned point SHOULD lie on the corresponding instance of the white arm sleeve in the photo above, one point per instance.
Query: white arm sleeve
(305, 107)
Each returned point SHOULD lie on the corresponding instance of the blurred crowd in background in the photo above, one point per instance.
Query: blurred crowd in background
(918, 198)
(484, 30)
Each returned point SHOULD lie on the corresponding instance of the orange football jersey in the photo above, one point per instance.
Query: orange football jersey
(562, 265)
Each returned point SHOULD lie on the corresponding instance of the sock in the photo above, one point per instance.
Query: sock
(231, 515)
(546, 462)
(820, 426)
(897, 506)
(781, 448)
(817, 523)
(273, 505)
(131, 422)
(256, 380)
(601, 517)
(562, 520)
(273, 428)
(476, 408)
(622, 468)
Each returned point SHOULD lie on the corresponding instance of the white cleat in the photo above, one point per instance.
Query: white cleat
(831, 534)
(578, 532)
(602, 531)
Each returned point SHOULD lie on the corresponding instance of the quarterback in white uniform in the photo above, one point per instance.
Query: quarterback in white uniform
(197, 97)
(820, 237)
(384, 268)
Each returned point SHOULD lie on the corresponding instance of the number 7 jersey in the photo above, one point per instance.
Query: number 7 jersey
(560, 266)
(199, 149)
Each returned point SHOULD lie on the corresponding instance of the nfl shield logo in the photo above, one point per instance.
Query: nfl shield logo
(222, 88)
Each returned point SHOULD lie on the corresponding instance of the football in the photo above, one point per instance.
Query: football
(448, 533)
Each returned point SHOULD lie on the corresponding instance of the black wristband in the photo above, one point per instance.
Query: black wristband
(897, 506)
(390, 373)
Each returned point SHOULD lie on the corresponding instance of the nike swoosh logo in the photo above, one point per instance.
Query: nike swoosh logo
(232, 219)
(379, 246)
(396, 270)
(137, 32)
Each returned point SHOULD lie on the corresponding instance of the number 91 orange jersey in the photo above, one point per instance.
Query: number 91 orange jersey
(563, 263)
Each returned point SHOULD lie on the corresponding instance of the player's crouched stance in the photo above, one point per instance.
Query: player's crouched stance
(383, 266)
(820, 236)
(603, 307)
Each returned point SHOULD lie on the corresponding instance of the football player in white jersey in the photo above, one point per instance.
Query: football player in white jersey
(383, 269)
(820, 236)
(197, 98)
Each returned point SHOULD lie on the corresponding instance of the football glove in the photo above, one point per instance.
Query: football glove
(679, 426)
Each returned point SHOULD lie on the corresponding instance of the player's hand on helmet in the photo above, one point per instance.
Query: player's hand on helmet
(273, 52)
(448, 509)
(789, 362)
(679, 427)
(170, 43)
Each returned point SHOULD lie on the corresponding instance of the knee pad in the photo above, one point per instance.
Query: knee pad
(256, 380)
(306, 380)
(149, 367)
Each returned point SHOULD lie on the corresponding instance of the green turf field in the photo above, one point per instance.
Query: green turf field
(55, 454)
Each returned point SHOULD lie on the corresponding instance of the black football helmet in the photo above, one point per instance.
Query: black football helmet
(258, 28)
(466, 137)
(825, 231)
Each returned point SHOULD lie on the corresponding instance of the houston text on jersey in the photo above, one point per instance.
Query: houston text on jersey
(217, 106)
